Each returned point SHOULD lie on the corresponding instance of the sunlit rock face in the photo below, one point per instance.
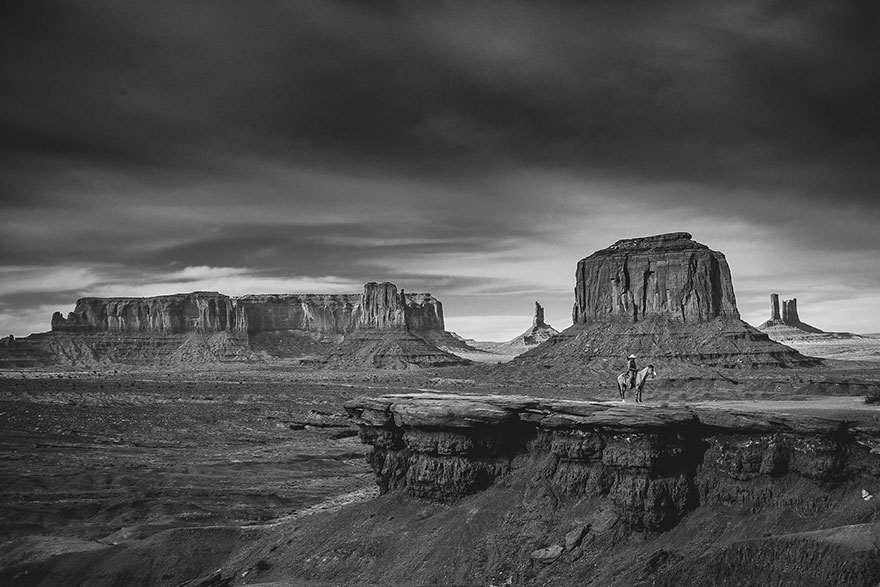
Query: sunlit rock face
(382, 327)
(323, 313)
(667, 275)
(423, 312)
(380, 306)
(202, 312)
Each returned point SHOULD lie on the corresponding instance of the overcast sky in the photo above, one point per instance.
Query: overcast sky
(473, 149)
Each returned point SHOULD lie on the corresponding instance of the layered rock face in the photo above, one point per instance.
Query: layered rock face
(380, 306)
(424, 313)
(645, 467)
(323, 313)
(192, 312)
(384, 327)
(668, 275)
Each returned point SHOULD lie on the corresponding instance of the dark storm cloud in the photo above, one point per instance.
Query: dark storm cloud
(481, 147)
(761, 93)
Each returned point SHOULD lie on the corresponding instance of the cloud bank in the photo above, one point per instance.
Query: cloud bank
(475, 150)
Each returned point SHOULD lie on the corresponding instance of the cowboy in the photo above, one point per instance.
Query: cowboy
(631, 367)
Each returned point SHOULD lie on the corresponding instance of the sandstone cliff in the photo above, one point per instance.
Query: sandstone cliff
(193, 312)
(322, 313)
(652, 464)
(667, 275)
(544, 491)
(380, 306)
(307, 327)
(665, 298)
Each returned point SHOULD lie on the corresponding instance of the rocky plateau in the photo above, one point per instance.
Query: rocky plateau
(203, 327)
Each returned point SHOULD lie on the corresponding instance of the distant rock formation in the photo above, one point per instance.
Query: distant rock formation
(501, 352)
(667, 275)
(380, 306)
(193, 312)
(789, 316)
(665, 298)
(539, 332)
(277, 325)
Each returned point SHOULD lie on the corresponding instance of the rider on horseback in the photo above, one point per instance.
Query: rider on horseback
(631, 367)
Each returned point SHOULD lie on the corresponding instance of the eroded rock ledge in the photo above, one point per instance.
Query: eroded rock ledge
(650, 464)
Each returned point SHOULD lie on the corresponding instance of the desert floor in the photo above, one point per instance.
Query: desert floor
(124, 454)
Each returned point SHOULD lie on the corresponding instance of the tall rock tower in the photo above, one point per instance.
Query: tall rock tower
(786, 324)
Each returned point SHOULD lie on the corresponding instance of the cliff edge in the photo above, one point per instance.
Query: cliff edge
(602, 493)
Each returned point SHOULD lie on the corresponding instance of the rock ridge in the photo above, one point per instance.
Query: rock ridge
(380, 306)
(650, 466)
(385, 327)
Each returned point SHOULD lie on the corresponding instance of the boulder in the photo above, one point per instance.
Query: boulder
(548, 555)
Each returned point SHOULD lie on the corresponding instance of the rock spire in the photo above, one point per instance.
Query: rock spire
(788, 318)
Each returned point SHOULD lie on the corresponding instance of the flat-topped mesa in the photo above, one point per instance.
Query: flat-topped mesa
(667, 299)
(667, 275)
(380, 306)
(382, 327)
(199, 311)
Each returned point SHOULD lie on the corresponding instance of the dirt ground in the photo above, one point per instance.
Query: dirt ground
(115, 456)
(96, 458)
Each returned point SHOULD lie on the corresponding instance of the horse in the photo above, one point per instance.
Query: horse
(641, 378)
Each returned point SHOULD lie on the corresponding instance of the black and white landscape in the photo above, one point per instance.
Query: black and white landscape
(342, 293)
